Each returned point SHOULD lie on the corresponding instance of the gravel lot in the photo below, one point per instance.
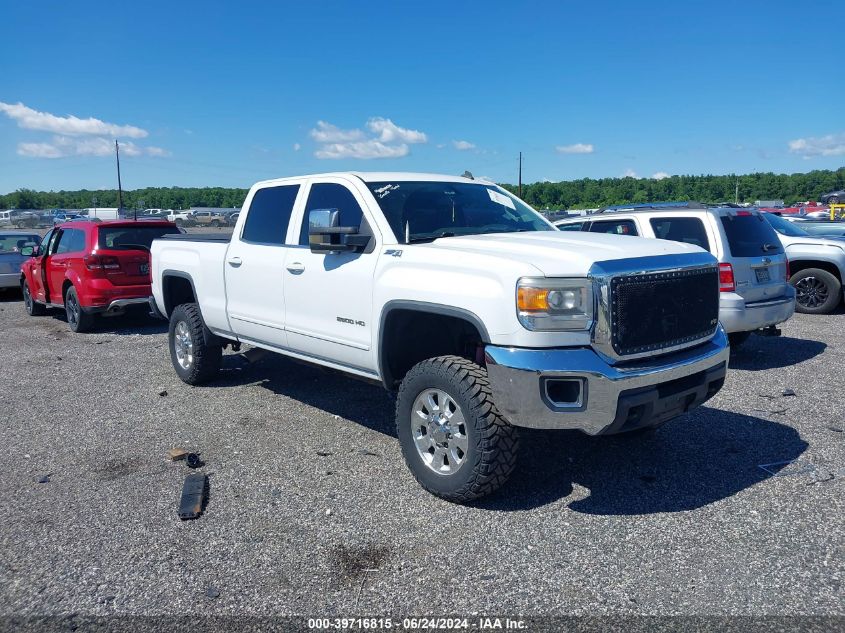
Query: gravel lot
(312, 511)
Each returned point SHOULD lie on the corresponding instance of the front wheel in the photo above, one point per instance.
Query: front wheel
(193, 352)
(452, 437)
(77, 318)
(215, 224)
(833, 200)
(816, 291)
(33, 308)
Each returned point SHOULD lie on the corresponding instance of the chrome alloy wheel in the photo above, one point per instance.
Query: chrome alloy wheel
(439, 431)
(183, 345)
(812, 292)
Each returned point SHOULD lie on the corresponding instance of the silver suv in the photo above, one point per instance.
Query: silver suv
(753, 269)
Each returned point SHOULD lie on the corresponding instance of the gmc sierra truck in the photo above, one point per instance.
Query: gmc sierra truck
(461, 299)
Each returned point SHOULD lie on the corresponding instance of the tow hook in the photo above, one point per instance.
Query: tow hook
(769, 331)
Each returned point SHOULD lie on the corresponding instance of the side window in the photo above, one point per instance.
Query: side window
(71, 241)
(574, 226)
(269, 214)
(687, 230)
(331, 196)
(45, 243)
(614, 227)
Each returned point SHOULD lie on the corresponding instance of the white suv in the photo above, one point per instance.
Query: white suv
(753, 267)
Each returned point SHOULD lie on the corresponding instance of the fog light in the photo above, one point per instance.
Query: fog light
(564, 393)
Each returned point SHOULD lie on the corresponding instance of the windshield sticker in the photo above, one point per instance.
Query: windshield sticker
(381, 192)
(502, 199)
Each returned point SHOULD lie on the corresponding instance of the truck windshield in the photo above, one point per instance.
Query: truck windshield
(424, 211)
(132, 237)
(785, 227)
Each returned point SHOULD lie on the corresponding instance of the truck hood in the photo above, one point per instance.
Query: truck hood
(812, 240)
(556, 253)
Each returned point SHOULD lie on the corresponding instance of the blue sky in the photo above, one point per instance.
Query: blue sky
(223, 94)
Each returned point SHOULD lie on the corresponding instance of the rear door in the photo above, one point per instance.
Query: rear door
(687, 228)
(754, 251)
(70, 245)
(255, 265)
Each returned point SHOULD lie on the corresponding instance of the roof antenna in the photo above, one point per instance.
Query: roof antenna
(407, 232)
(467, 174)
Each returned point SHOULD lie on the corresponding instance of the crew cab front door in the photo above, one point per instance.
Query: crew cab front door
(329, 296)
(40, 288)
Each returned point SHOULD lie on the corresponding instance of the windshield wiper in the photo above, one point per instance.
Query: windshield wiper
(429, 238)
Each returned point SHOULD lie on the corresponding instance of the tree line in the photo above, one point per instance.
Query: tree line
(587, 193)
(149, 198)
(584, 193)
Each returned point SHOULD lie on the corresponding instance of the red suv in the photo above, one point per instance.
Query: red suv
(91, 268)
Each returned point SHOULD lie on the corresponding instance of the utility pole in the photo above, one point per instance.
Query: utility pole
(736, 192)
(119, 187)
(520, 175)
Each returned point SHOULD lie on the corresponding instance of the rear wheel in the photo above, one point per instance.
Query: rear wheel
(452, 437)
(33, 308)
(77, 318)
(816, 291)
(195, 355)
(833, 200)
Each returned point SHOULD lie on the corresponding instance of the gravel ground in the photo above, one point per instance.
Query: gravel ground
(312, 511)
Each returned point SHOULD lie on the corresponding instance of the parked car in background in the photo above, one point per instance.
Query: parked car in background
(833, 197)
(816, 263)
(753, 268)
(25, 219)
(209, 218)
(180, 218)
(91, 268)
(12, 245)
(233, 217)
(61, 218)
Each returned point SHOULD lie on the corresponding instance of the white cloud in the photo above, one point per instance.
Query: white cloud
(297, 147)
(463, 145)
(388, 140)
(362, 149)
(64, 146)
(389, 132)
(660, 175)
(30, 119)
(575, 148)
(39, 150)
(830, 145)
(629, 173)
(328, 133)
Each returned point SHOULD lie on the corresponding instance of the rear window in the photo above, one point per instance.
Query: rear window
(686, 230)
(132, 237)
(750, 235)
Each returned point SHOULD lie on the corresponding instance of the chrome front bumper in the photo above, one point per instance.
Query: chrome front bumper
(736, 315)
(611, 399)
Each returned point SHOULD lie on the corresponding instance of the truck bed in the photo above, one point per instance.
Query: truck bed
(199, 237)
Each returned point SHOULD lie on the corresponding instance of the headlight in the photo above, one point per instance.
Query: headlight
(554, 304)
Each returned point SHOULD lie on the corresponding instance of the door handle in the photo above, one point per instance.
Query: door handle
(296, 268)
(235, 261)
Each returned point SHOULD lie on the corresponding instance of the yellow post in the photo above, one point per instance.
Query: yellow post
(834, 208)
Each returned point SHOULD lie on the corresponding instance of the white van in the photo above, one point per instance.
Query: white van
(102, 213)
(5, 218)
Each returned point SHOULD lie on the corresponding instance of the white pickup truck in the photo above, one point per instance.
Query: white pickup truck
(458, 296)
